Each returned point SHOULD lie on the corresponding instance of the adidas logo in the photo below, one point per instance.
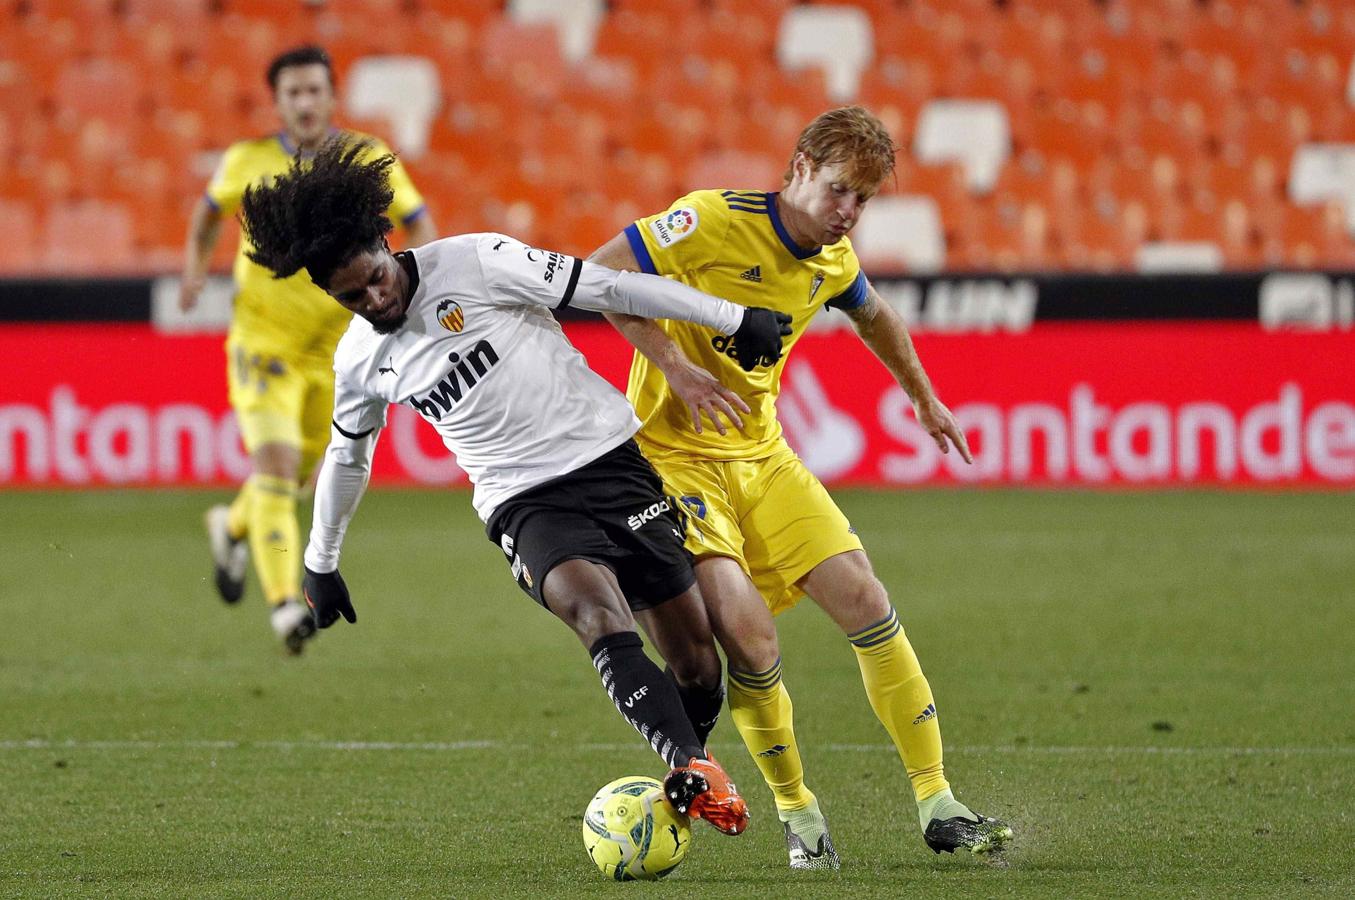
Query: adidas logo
(753, 274)
(928, 713)
(774, 751)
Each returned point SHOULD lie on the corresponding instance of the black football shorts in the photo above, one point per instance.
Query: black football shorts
(611, 511)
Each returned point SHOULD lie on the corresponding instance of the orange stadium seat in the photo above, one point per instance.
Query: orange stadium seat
(527, 55)
(770, 10)
(186, 13)
(107, 89)
(145, 188)
(735, 170)
(476, 12)
(19, 249)
(90, 236)
(9, 138)
(1167, 119)
(91, 11)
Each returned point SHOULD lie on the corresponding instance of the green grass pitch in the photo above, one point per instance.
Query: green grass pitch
(1156, 689)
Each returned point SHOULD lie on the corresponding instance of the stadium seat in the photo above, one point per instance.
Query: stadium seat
(526, 56)
(1238, 237)
(972, 132)
(576, 21)
(93, 11)
(900, 233)
(185, 13)
(734, 170)
(1322, 172)
(1105, 238)
(1198, 121)
(245, 46)
(475, 12)
(87, 237)
(1160, 257)
(19, 249)
(403, 90)
(838, 39)
(106, 89)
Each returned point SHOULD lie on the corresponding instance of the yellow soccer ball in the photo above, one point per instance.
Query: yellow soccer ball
(631, 832)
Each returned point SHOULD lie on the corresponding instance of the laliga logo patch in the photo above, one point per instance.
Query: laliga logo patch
(674, 226)
(451, 317)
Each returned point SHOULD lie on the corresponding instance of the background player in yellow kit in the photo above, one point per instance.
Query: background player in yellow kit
(280, 348)
(760, 524)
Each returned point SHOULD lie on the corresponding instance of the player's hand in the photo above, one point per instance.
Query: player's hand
(327, 596)
(757, 342)
(941, 425)
(189, 289)
(703, 393)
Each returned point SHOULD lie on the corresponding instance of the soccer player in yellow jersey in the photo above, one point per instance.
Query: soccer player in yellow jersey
(762, 528)
(280, 348)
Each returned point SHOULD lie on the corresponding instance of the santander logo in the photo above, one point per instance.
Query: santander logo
(829, 440)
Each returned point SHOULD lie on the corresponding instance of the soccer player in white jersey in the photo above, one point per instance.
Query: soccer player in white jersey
(461, 330)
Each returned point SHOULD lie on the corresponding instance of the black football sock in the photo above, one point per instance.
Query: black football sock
(645, 697)
(702, 705)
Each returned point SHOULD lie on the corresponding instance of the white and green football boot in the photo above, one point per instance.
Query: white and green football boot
(807, 839)
(948, 825)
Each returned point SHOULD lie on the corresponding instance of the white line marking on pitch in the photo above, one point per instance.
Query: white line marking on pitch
(457, 746)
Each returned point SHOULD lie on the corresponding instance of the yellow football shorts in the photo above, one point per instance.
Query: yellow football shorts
(771, 515)
(281, 399)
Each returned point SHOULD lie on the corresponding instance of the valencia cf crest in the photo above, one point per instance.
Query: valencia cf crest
(451, 317)
(815, 285)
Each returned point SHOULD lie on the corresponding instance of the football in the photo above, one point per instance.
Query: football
(632, 833)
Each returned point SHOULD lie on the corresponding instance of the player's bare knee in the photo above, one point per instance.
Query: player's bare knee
(751, 650)
(589, 615)
(696, 666)
(854, 600)
(278, 460)
(862, 603)
(591, 623)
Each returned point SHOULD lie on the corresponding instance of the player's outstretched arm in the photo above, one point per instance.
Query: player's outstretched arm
(757, 332)
(885, 333)
(204, 227)
(701, 391)
(338, 490)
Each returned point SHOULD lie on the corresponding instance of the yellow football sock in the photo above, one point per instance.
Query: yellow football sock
(274, 538)
(762, 711)
(237, 516)
(902, 700)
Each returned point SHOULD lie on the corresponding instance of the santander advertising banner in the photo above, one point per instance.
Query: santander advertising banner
(1105, 404)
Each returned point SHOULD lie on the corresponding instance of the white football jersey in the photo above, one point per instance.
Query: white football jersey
(484, 361)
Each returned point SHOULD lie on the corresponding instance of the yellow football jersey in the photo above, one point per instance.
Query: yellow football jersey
(731, 244)
(289, 315)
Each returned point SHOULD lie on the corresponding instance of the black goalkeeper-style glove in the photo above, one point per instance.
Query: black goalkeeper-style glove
(757, 342)
(327, 596)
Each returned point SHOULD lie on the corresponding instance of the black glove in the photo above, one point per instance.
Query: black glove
(327, 596)
(757, 342)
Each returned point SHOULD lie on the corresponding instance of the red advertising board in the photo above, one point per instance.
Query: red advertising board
(1074, 404)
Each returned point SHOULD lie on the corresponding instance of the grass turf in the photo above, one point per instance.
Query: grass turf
(1154, 688)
